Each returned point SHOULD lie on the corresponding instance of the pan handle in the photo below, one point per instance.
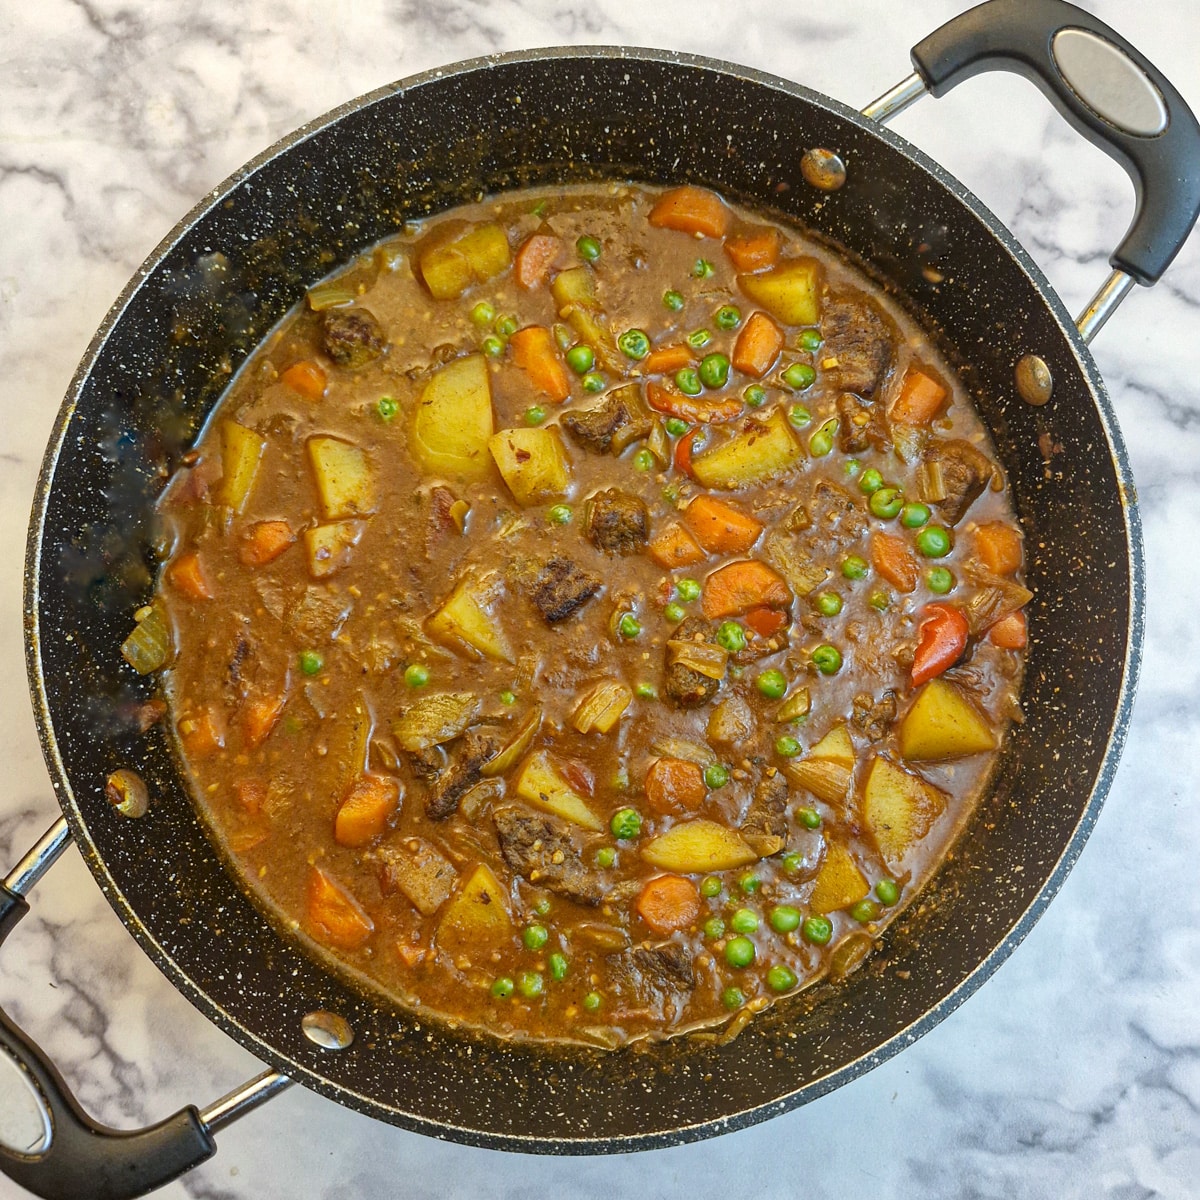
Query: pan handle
(84, 1158)
(1106, 89)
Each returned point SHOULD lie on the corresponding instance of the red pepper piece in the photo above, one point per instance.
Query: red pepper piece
(943, 638)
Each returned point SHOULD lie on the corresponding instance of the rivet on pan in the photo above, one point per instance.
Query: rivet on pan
(1034, 381)
(127, 793)
(327, 1030)
(823, 169)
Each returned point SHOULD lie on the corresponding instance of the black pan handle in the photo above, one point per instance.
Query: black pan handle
(1106, 89)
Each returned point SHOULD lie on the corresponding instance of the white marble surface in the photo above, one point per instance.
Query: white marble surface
(1075, 1072)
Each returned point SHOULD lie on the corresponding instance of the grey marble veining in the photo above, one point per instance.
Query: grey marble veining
(1075, 1072)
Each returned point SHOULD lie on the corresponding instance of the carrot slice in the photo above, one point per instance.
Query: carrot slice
(891, 557)
(942, 640)
(307, 378)
(920, 399)
(669, 902)
(737, 587)
(675, 547)
(533, 261)
(766, 621)
(998, 544)
(719, 527)
(754, 250)
(691, 210)
(364, 812)
(410, 955)
(666, 360)
(534, 352)
(265, 542)
(188, 576)
(757, 346)
(259, 719)
(1010, 632)
(335, 915)
(674, 786)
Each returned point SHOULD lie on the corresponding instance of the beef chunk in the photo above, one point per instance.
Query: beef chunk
(472, 750)
(619, 419)
(765, 829)
(838, 520)
(540, 849)
(617, 522)
(417, 869)
(687, 687)
(665, 968)
(874, 717)
(859, 339)
(425, 764)
(965, 473)
(561, 588)
(352, 336)
(853, 425)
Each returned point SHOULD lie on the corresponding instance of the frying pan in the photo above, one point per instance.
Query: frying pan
(223, 278)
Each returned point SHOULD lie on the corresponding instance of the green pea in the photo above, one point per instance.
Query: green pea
(508, 697)
(809, 818)
(886, 502)
(687, 590)
(829, 604)
(772, 684)
(699, 338)
(739, 952)
(786, 746)
(387, 408)
(733, 998)
(933, 541)
(558, 967)
(503, 987)
(645, 691)
(827, 659)
(507, 326)
(940, 580)
(792, 862)
(710, 886)
(913, 515)
(784, 918)
(743, 921)
(593, 382)
(781, 978)
(810, 340)
(714, 928)
(755, 395)
(531, 984)
(728, 317)
(310, 662)
(560, 514)
(715, 776)
(799, 376)
(629, 626)
(643, 460)
(588, 248)
(592, 1001)
(880, 601)
(493, 347)
(714, 370)
(542, 907)
(676, 427)
(854, 567)
(702, 269)
(674, 613)
(483, 314)
(605, 857)
(626, 824)
(535, 414)
(416, 676)
(581, 358)
(687, 380)
(864, 911)
(750, 883)
(798, 416)
(672, 300)
(634, 343)
(870, 481)
(817, 930)
(821, 442)
(888, 892)
(535, 936)
(731, 636)
(852, 468)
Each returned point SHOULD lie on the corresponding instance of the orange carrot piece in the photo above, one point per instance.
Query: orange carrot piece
(307, 378)
(757, 346)
(364, 812)
(998, 544)
(754, 250)
(265, 542)
(1011, 632)
(666, 360)
(737, 587)
(410, 955)
(674, 786)
(188, 576)
(669, 902)
(920, 399)
(698, 410)
(335, 915)
(259, 719)
(766, 621)
(691, 210)
(719, 527)
(891, 557)
(533, 261)
(675, 547)
(251, 795)
(202, 733)
(534, 352)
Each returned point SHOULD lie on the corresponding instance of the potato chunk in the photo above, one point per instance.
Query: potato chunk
(345, 482)
(943, 723)
(533, 463)
(450, 267)
(840, 883)
(899, 808)
(476, 919)
(825, 770)
(789, 292)
(692, 847)
(754, 456)
(241, 452)
(541, 783)
(465, 620)
(329, 546)
(453, 421)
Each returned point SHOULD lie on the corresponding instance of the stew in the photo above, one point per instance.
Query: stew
(591, 616)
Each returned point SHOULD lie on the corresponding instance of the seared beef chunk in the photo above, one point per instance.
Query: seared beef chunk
(470, 752)
(874, 717)
(620, 418)
(859, 339)
(352, 336)
(765, 829)
(540, 849)
(853, 423)
(419, 870)
(685, 686)
(561, 588)
(965, 473)
(663, 968)
(425, 764)
(617, 522)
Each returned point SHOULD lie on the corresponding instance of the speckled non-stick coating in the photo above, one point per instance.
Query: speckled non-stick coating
(223, 278)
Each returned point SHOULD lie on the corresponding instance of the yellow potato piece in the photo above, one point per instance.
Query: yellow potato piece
(692, 847)
(464, 620)
(453, 421)
(943, 723)
(540, 782)
(899, 808)
(476, 919)
(533, 463)
(750, 458)
(789, 292)
(345, 482)
(840, 883)
(449, 268)
(241, 452)
(329, 546)
(835, 745)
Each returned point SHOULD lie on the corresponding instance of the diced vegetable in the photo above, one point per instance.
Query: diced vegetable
(706, 410)
(943, 723)
(668, 903)
(826, 769)
(535, 353)
(423, 874)
(574, 291)
(892, 558)
(795, 707)
(306, 378)
(515, 747)
(790, 292)
(698, 847)
(536, 256)
(998, 545)
(329, 546)
(333, 293)
(691, 210)
(677, 747)
(453, 421)
(994, 600)
(465, 618)
(187, 575)
(542, 783)
(836, 746)
(899, 808)
(761, 453)
(450, 267)
(920, 399)
(1010, 633)
(675, 547)
(673, 786)
(721, 527)
(345, 482)
(265, 542)
(666, 360)
(335, 916)
(435, 719)
(840, 883)
(241, 452)
(942, 640)
(757, 346)
(476, 921)
(737, 587)
(602, 707)
(533, 462)
(366, 809)
(259, 718)
(702, 657)
(754, 250)
(202, 733)
(150, 645)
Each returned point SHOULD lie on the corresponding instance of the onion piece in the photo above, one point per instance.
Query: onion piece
(702, 657)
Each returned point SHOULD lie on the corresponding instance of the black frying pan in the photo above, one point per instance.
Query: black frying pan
(229, 272)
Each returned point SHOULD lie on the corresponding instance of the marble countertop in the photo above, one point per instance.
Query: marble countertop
(1076, 1070)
